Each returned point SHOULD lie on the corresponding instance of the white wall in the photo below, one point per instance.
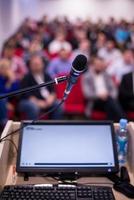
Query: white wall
(12, 12)
(74, 8)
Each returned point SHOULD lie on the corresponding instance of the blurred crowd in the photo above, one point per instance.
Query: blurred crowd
(42, 50)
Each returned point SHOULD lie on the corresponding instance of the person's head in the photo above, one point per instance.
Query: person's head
(35, 46)
(102, 37)
(8, 51)
(41, 27)
(60, 36)
(36, 64)
(80, 34)
(128, 56)
(110, 45)
(64, 53)
(111, 21)
(98, 64)
(19, 36)
(4, 67)
(84, 45)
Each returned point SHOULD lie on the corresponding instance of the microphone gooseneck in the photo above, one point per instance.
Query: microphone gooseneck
(79, 66)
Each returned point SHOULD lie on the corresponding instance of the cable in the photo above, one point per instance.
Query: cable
(9, 140)
(77, 182)
(34, 121)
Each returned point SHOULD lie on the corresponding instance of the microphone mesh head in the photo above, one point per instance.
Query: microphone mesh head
(80, 63)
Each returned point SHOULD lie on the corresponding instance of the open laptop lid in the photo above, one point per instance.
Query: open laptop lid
(55, 147)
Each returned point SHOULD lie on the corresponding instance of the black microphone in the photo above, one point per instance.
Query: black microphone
(79, 66)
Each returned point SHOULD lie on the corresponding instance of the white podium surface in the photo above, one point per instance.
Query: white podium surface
(8, 155)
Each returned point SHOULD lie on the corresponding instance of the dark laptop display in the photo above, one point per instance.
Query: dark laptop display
(55, 147)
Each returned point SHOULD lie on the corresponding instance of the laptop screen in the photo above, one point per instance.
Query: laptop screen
(67, 146)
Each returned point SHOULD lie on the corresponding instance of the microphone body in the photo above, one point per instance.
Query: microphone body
(79, 66)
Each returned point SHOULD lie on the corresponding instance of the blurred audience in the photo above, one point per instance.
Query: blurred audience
(8, 83)
(122, 66)
(17, 64)
(109, 52)
(60, 65)
(59, 43)
(99, 42)
(122, 33)
(34, 48)
(44, 49)
(84, 48)
(100, 91)
(8, 80)
(33, 103)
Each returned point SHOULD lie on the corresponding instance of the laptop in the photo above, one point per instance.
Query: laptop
(61, 147)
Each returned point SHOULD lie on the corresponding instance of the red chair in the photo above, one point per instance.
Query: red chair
(10, 114)
(75, 103)
(98, 115)
(11, 110)
(130, 115)
(19, 52)
(24, 117)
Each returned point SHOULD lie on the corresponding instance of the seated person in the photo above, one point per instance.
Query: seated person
(109, 52)
(8, 83)
(100, 91)
(58, 43)
(122, 66)
(8, 80)
(84, 48)
(17, 64)
(60, 65)
(122, 33)
(126, 92)
(35, 48)
(42, 99)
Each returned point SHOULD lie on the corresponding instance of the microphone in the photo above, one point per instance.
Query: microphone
(79, 66)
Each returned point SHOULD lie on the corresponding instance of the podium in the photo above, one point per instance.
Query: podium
(8, 155)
